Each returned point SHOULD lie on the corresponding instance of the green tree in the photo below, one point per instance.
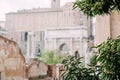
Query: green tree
(52, 57)
(97, 7)
(108, 57)
(74, 70)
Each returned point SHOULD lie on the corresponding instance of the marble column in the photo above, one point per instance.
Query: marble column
(28, 47)
(71, 46)
(81, 44)
(55, 46)
(45, 38)
(32, 45)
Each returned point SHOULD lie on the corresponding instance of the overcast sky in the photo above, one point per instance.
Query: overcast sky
(14, 5)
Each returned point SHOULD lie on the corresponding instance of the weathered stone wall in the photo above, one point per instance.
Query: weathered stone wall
(13, 66)
(52, 71)
(37, 70)
(102, 29)
(107, 26)
(115, 24)
(12, 62)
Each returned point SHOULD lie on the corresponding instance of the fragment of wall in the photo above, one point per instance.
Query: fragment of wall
(102, 28)
(12, 61)
(115, 24)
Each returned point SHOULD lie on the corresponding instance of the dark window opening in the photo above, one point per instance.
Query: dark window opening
(26, 35)
(77, 54)
(0, 76)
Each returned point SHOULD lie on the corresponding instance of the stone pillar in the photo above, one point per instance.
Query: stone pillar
(58, 71)
(45, 39)
(32, 45)
(71, 46)
(87, 56)
(28, 47)
(55, 46)
(81, 44)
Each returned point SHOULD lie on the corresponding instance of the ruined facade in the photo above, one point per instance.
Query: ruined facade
(12, 61)
(38, 70)
(14, 67)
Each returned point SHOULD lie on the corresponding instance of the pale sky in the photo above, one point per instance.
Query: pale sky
(14, 5)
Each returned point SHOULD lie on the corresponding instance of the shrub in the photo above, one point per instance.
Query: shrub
(109, 58)
(52, 57)
(74, 70)
(105, 64)
(93, 61)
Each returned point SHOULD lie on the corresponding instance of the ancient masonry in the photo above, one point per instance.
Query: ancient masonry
(13, 65)
(12, 62)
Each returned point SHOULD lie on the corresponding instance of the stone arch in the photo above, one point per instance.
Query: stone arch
(64, 48)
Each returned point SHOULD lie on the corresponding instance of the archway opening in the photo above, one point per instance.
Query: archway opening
(64, 48)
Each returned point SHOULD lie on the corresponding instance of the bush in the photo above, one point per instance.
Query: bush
(109, 59)
(52, 57)
(74, 70)
(105, 64)
(93, 61)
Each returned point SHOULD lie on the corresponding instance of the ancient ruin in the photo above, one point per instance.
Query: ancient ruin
(12, 62)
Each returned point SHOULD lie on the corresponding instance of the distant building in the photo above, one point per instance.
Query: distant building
(3, 32)
(55, 28)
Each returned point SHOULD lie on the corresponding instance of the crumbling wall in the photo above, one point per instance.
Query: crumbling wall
(38, 70)
(12, 61)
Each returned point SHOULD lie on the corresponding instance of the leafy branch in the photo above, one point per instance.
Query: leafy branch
(97, 7)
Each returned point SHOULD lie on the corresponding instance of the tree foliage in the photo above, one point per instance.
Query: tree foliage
(74, 70)
(108, 58)
(106, 64)
(97, 7)
(52, 57)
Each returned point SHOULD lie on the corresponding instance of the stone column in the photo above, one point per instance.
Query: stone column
(87, 57)
(55, 46)
(81, 44)
(32, 45)
(45, 38)
(28, 47)
(71, 46)
(58, 71)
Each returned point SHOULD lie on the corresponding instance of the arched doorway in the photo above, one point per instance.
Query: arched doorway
(64, 48)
